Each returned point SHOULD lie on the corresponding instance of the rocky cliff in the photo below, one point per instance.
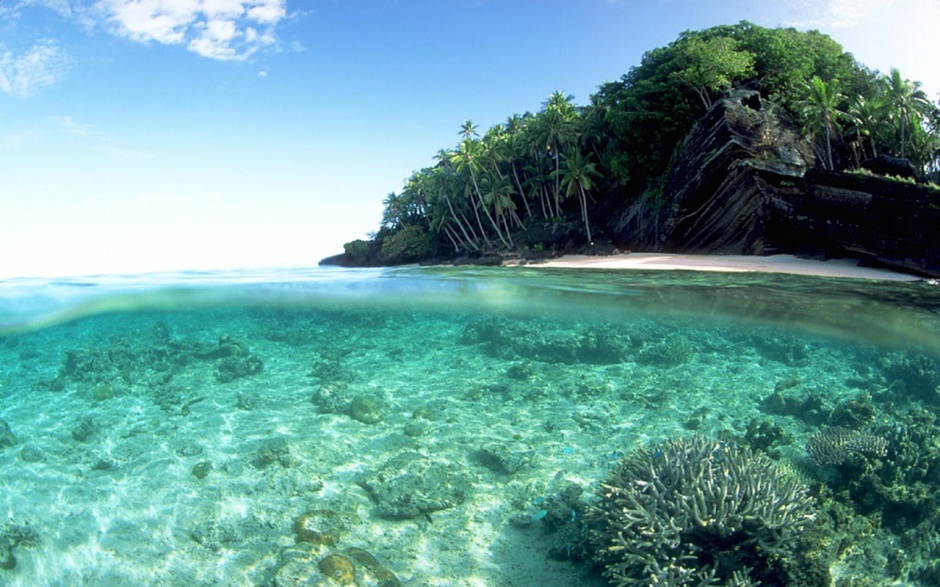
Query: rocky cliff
(745, 182)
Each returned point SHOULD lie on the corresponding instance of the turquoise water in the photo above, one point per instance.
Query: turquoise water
(239, 428)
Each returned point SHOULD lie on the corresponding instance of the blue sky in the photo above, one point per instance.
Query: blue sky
(148, 135)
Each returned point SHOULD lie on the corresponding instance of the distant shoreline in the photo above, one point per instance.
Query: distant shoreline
(789, 264)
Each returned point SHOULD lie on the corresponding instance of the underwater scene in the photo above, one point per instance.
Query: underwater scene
(469, 427)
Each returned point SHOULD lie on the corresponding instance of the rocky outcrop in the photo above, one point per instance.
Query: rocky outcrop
(878, 220)
(745, 182)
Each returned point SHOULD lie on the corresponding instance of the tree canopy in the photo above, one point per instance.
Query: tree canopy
(564, 162)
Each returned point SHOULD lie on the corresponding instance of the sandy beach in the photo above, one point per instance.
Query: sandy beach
(846, 268)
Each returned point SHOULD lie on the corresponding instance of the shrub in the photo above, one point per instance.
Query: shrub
(357, 249)
(408, 244)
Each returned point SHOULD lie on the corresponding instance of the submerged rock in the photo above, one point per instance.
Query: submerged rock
(31, 454)
(84, 429)
(411, 485)
(338, 568)
(271, 451)
(363, 559)
(502, 458)
(200, 470)
(237, 367)
(7, 438)
(324, 527)
(367, 409)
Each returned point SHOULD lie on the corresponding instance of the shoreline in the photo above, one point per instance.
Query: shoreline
(788, 264)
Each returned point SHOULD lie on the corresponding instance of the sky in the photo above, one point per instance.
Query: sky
(169, 135)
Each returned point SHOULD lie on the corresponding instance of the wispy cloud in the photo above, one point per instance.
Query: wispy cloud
(22, 74)
(218, 29)
(13, 8)
(833, 14)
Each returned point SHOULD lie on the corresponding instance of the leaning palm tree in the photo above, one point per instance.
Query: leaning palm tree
(577, 177)
(820, 110)
(498, 194)
(907, 99)
(468, 158)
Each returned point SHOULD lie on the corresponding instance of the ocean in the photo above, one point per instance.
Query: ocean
(458, 426)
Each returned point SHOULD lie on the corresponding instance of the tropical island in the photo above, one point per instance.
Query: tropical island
(736, 139)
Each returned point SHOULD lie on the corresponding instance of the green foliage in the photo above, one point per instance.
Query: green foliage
(711, 65)
(357, 249)
(409, 244)
(821, 113)
(482, 194)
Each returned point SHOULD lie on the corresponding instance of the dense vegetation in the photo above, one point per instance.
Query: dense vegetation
(566, 166)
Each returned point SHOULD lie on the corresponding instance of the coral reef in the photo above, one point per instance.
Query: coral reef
(854, 413)
(675, 350)
(912, 374)
(153, 363)
(694, 511)
(836, 445)
(764, 436)
(888, 478)
(514, 339)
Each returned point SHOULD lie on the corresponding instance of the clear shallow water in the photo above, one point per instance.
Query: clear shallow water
(172, 429)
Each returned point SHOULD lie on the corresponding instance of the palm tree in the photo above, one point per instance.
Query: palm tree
(515, 147)
(555, 128)
(469, 158)
(820, 109)
(499, 195)
(908, 100)
(439, 177)
(867, 117)
(468, 129)
(561, 102)
(577, 177)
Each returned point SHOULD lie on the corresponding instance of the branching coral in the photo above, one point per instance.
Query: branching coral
(836, 445)
(698, 512)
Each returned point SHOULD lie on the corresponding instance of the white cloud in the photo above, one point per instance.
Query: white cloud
(218, 29)
(833, 14)
(71, 126)
(42, 65)
(62, 7)
(880, 33)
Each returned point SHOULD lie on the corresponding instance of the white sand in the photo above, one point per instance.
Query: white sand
(790, 264)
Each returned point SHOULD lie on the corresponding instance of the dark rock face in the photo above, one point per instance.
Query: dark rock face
(745, 182)
(886, 165)
(724, 181)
